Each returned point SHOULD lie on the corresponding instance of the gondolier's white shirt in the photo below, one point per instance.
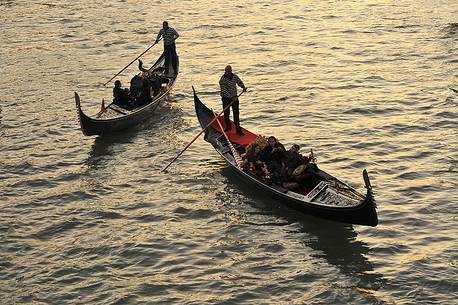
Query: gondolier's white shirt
(227, 85)
(169, 36)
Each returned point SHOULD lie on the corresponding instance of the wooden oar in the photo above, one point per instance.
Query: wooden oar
(203, 129)
(132, 61)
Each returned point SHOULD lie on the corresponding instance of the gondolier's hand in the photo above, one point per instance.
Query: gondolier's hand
(156, 41)
(244, 89)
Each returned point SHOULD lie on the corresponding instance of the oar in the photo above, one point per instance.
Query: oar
(133, 61)
(203, 129)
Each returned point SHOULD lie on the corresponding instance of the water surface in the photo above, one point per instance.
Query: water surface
(93, 220)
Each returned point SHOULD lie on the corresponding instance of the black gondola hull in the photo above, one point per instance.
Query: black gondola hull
(100, 126)
(364, 214)
(90, 126)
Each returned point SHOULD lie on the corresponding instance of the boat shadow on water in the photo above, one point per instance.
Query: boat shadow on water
(335, 242)
(104, 147)
(159, 126)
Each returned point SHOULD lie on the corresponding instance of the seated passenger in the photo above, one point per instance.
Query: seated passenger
(273, 155)
(305, 173)
(253, 164)
(156, 81)
(155, 84)
(292, 159)
(144, 97)
(120, 96)
(135, 87)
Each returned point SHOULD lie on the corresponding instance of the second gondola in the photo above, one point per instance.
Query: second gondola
(113, 118)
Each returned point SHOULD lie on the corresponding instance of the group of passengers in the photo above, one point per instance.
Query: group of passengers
(275, 163)
(142, 88)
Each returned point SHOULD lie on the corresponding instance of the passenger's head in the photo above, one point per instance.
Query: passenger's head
(228, 70)
(272, 141)
(295, 148)
(118, 84)
(146, 74)
(165, 25)
(256, 149)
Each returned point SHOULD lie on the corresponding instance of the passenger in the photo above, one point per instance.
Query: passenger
(155, 80)
(144, 97)
(120, 96)
(292, 160)
(273, 155)
(155, 84)
(135, 87)
(253, 164)
(306, 174)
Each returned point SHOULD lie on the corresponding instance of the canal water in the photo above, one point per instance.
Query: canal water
(93, 220)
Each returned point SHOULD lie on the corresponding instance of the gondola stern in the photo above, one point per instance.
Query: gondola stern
(201, 110)
(368, 185)
(367, 181)
(77, 101)
(82, 117)
(370, 199)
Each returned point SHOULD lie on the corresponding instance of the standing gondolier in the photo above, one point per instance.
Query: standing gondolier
(170, 35)
(228, 87)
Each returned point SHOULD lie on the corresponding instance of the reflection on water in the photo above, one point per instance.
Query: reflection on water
(341, 247)
(104, 145)
(451, 28)
(1, 125)
(335, 242)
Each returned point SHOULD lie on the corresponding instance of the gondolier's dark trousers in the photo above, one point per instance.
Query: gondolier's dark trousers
(227, 112)
(170, 53)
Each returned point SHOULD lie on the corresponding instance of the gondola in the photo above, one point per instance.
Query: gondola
(328, 197)
(114, 118)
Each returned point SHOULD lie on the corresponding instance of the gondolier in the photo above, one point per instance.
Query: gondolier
(228, 88)
(170, 35)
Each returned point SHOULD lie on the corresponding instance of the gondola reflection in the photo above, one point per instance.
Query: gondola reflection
(104, 146)
(1, 125)
(336, 243)
(157, 130)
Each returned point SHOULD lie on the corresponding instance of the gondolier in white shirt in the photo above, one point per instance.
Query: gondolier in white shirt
(170, 35)
(228, 87)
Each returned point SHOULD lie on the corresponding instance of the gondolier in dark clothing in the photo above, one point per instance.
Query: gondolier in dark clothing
(170, 35)
(228, 87)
